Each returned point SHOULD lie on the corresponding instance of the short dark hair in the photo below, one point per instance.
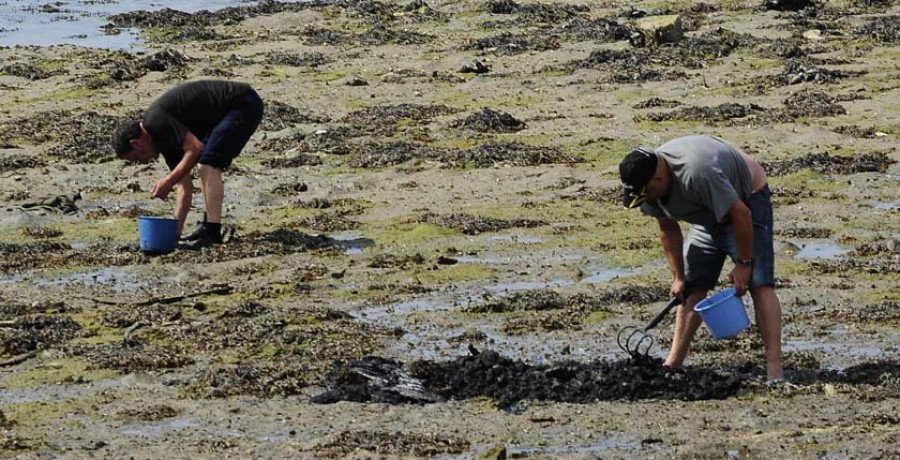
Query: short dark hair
(121, 141)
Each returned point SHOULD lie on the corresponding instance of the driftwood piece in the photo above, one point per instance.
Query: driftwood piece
(163, 300)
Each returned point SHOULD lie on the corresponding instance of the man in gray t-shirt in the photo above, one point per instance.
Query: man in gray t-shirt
(722, 193)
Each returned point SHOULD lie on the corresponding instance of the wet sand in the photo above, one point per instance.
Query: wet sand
(435, 185)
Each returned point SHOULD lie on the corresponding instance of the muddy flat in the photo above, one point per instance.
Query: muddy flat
(429, 257)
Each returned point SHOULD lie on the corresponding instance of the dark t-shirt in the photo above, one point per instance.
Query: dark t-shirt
(195, 107)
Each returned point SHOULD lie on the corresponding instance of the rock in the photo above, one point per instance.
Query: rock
(660, 29)
(813, 34)
(895, 245)
(392, 77)
(476, 67)
(354, 80)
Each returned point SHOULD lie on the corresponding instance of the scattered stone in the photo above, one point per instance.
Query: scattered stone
(354, 80)
(490, 121)
(658, 30)
(477, 67)
(788, 5)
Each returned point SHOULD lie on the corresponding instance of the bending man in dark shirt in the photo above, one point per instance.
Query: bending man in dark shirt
(722, 193)
(204, 123)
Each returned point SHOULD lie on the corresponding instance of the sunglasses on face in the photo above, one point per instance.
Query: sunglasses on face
(635, 198)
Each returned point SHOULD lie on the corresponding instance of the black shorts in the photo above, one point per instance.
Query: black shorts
(230, 136)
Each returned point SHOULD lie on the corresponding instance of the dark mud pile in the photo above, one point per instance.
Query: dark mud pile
(167, 17)
(29, 71)
(78, 137)
(296, 59)
(383, 118)
(290, 188)
(831, 164)
(535, 13)
(799, 71)
(350, 443)
(806, 103)
(300, 159)
(280, 116)
(599, 30)
(36, 332)
(474, 225)
(885, 29)
(150, 414)
(509, 44)
(810, 103)
(803, 232)
(624, 66)
(134, 354)
(490, 121)
(886, 313)
(290, 348)
(375, 155)
(531, 300)
(378, 35)
(125, 316)
(329, 222)
(656, 102)
(719, 113)
(857, 132)
(332, 141)
(16, 162)
(487, 374)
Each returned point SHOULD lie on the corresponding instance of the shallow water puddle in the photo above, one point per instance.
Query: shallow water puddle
(888, 205)
(351, 242)
(115, 278)
(819, 250)
(160, 427)
(841, 348)
(452, 301)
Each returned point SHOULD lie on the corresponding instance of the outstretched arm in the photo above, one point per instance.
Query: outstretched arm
(192, 150)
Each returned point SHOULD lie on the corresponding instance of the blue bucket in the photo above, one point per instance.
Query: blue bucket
(724, 314)
(157, 233)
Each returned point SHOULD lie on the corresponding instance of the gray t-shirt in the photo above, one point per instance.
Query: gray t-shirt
(708, 176)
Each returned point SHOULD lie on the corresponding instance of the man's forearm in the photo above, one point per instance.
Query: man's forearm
(184, 167)
(672, 242)
(743, 235)
(183, 199)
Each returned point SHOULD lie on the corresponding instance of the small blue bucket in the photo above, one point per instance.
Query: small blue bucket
(157, 233)
(724, 314)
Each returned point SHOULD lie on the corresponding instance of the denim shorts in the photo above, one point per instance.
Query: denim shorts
(230, 136)
(707, 246)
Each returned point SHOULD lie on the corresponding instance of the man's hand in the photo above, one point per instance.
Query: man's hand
(677, 289)
(740, 277)
(161, 189)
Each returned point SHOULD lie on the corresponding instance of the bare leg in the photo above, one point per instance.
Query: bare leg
(213, 192)
(768, 316)
(686, 323)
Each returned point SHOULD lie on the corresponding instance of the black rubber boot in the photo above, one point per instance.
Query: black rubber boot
(197, 232)
(211, 234)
